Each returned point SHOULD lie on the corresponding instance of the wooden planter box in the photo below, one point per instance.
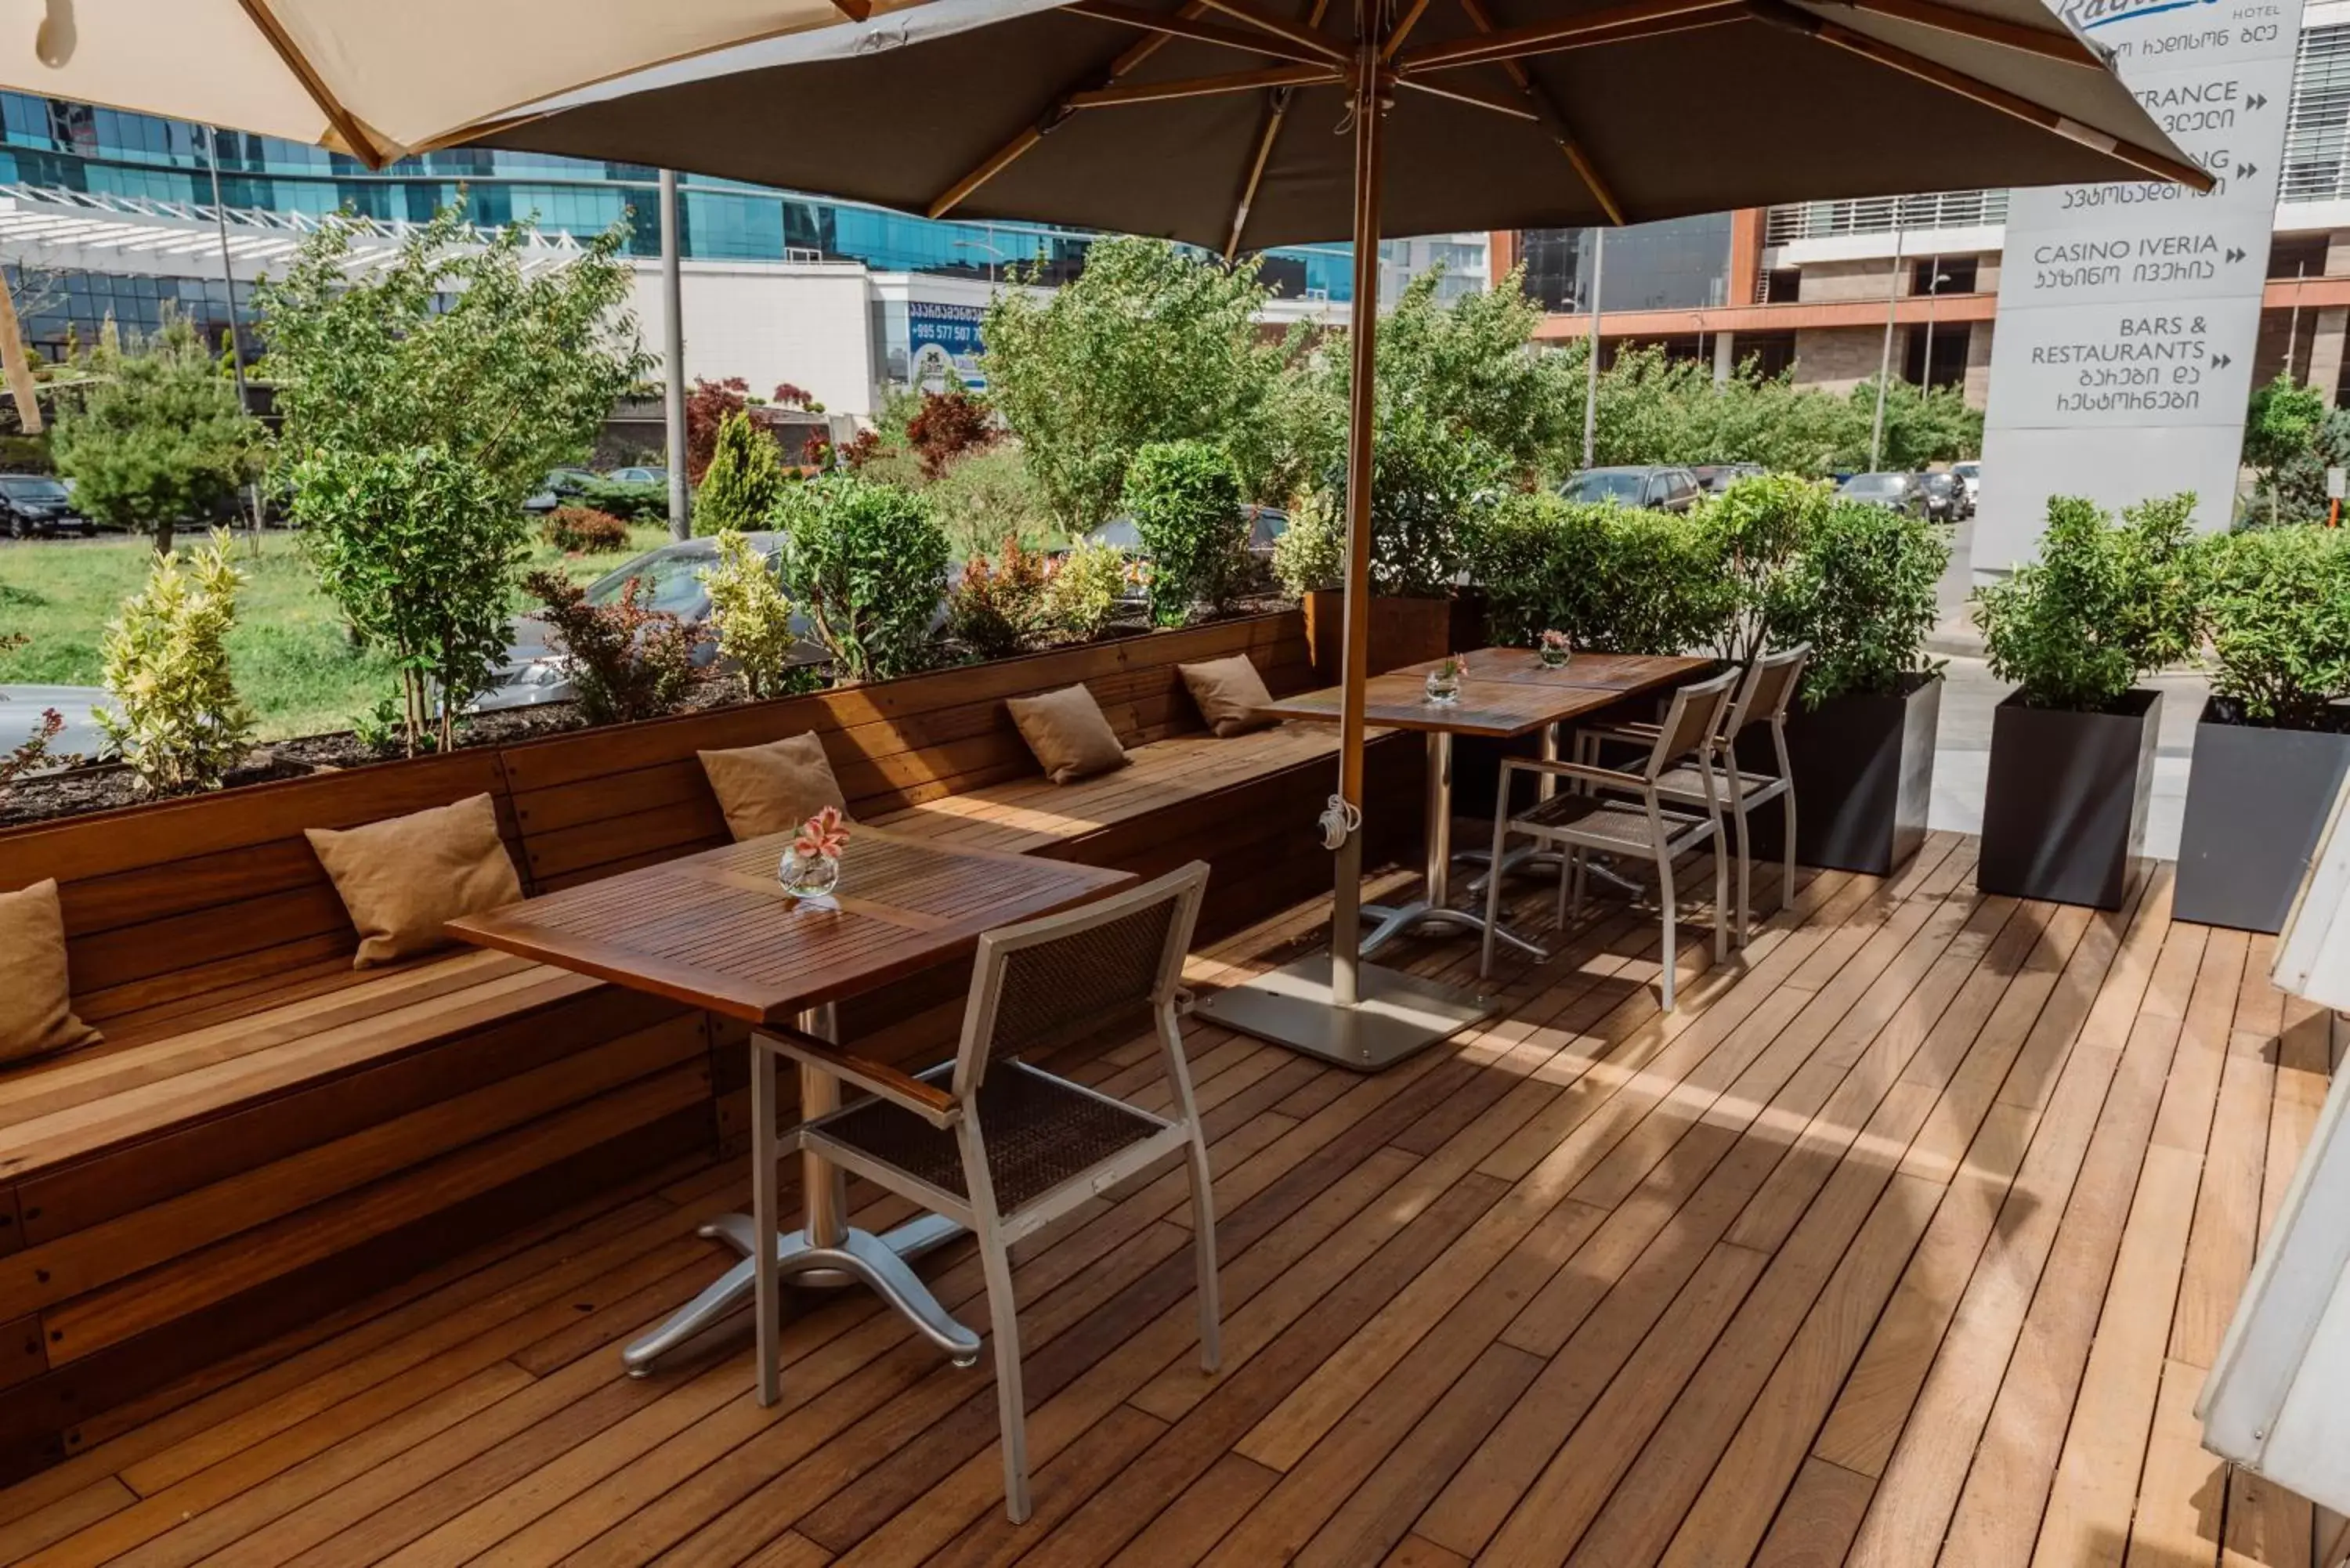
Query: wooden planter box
(1403, 631)
(2065, 806)
(1864, 769)
(2257, 799)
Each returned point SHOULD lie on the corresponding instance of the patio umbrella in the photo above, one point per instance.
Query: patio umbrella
(1232, 124)
(1241, 124)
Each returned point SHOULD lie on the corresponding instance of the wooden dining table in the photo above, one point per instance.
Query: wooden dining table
(1505, 692)
(717, 931)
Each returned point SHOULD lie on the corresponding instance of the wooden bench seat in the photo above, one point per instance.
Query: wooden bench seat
(267, 1134)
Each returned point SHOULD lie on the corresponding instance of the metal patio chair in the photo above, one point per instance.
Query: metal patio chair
(1771, 683)
(1004, 1148)
(1579, 821)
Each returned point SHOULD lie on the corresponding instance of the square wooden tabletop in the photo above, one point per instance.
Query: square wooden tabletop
(717, 931)
(1503, 698)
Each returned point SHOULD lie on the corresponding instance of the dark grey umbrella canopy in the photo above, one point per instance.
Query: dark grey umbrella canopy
(1677, 105)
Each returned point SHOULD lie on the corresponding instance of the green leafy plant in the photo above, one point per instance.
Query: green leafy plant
(453, 343)
(1083, 589)
(745, 478)
(419, 552)
(629, 503)
(1432, 490)
(2106, 605)
(383, 728)
(752, 618)
(577, 530)
(1312, 551)
(1609, 577)
(1756, 528)
(983, 496)
(627, 662)
(997, 609)
(158, 436)
(177, 722)
(34, 748)
(867, 565)
(2276, 604)
(1861, 589)
(1186, 506)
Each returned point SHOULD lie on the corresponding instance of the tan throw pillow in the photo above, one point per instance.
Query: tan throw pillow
(772, 788)
(1068, 732)
(1229, 692)
(37, 1015)
(401, 879)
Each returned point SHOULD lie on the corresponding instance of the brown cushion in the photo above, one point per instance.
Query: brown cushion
(1068, 732)
(773, 788)
(1229, 692)
(402, 877)
(36, 1016)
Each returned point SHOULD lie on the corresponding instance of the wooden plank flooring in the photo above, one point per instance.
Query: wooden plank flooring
(1906, 1240)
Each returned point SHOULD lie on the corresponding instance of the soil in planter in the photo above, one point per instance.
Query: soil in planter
(79, 791)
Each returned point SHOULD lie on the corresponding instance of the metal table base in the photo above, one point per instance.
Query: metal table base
(1433, 909)
(826, 1251)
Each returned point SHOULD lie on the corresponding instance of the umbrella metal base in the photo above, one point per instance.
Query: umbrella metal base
(1399, 1014)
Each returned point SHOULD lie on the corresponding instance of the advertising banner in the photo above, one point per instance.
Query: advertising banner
(943, 339)
(2128, 312)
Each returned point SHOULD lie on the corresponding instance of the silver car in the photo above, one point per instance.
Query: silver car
(535, 672)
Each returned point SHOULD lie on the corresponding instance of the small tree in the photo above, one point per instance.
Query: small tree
(419, 552)
(753, 618)
(2276, 602)
(627, 662)
(708, 406)
(867, 565)
(744, 477)
(1862, 591)
(2105, 604)
(1083, 588)
(158, 436)
(947, 425)
(1312, 551)
(1758, 525)
(1186, 506)
(179, 724)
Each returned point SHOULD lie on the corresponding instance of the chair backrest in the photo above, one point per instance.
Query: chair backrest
(1692, 722)
(1104, 966)
(1771, 684)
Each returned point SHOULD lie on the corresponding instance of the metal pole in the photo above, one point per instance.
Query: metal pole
(236, 338)
(1362, 418)
(1591, 360)
(680, 521)
(1933, 297)
(1884, 359)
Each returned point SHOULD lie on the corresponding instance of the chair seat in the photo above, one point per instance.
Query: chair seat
(1598, 822)
(1040, 1131)
(1684, 784)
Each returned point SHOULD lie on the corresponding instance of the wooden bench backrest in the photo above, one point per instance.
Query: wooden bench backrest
(195, 903)
(199, 899)
(595, 804)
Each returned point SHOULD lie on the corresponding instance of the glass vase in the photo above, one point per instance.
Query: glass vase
(808, 876)
(1444, 685)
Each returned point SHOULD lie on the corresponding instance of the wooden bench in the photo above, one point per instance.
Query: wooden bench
(267, 1134)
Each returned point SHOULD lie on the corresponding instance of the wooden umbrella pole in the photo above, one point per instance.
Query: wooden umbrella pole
(1345, 911)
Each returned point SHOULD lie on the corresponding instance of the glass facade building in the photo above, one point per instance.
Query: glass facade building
(1680, 263)
(48, 142)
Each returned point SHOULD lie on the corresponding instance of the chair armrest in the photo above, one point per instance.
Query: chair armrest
(928, 1101)
(1609, 777)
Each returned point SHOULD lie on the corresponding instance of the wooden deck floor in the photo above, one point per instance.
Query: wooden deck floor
(1906, 1240)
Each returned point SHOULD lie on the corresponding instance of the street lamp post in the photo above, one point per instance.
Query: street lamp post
(235, 340)
(1885, 356)
(1933, 296)
(680, 521)
(1591, 362)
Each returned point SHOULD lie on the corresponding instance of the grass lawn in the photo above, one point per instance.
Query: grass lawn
(292, 661)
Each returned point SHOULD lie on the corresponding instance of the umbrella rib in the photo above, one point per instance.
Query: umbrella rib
(1553, 118)
(1059, 109)
(1474, 100)
(2064, 47)
(346, 124)
(1276, 110)
(1403, 29)
(1779, 13)
(1174, 26)
(1202, 87)
(1634, 20)
(1304, 38)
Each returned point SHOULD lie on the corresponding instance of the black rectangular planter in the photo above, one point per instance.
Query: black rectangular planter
(2256, 801)
(2065, 806)
(1864, 768)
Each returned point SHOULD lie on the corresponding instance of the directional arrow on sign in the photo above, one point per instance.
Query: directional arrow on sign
(2246, 170)
(2256, 101)
(2218, 361)
(2235, 255)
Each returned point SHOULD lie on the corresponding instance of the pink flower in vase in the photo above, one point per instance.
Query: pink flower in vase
(825, 834)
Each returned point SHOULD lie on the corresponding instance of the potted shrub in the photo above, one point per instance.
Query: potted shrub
(2072, 749)
(1860, 740)
(2274, 739)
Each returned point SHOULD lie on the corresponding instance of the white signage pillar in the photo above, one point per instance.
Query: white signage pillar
(2128, 312)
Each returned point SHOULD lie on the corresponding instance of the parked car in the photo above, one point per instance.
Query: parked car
(1716, 477)
(561, 486)
(1946, 496)
(1969, 474)
(35, 505)
(1894, 492)
(639, 475)
(535, 673)
(1663, 489)
(1267, 525)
